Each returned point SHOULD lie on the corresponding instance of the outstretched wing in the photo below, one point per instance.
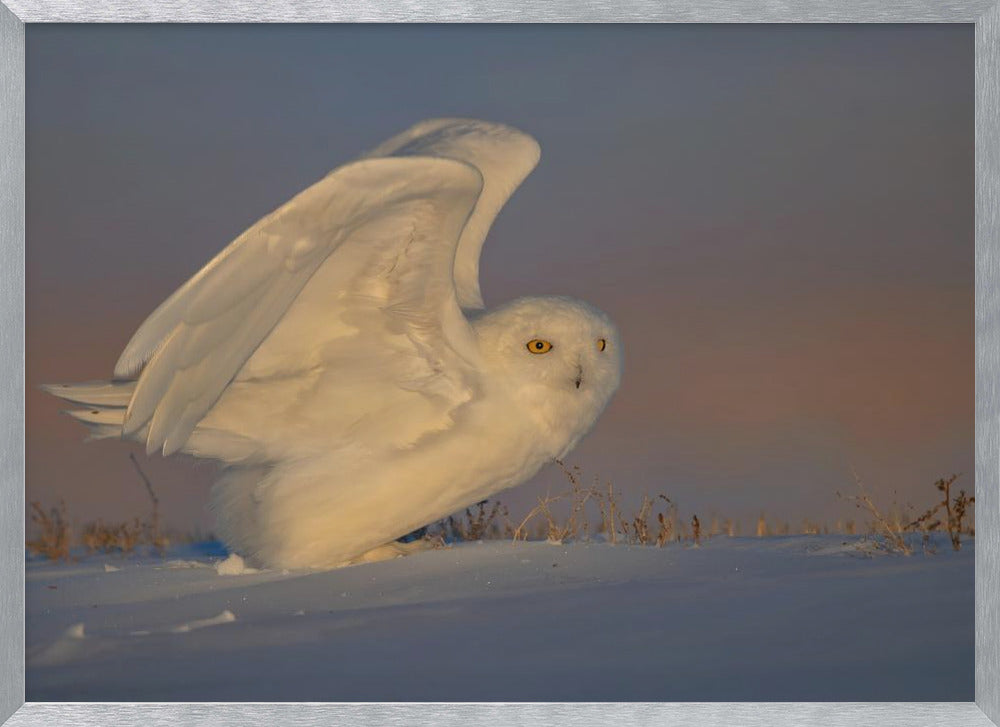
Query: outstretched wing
(383, 230)
(504, 156)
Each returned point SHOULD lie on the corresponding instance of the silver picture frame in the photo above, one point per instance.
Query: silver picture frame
(984, 14)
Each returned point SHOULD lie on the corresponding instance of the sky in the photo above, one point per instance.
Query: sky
(778, 218)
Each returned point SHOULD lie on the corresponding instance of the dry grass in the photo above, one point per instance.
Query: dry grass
(54, 539)
(54, 534)
(665, 533)
(890, 530)
(647, 527)
(614, 524)
(566, 516)
(151, 527)
(480, 524)
(811, 528)
(99, 537)
(575, 525)
(892, 527)
(955, 511)
(846, 527)
(559, 518)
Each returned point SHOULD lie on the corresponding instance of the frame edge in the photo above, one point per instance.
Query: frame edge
(988, 361)
(12, 359)
(12, 208)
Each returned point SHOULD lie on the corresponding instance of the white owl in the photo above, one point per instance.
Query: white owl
(324, 358)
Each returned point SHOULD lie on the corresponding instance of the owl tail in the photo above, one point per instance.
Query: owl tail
(105, 403)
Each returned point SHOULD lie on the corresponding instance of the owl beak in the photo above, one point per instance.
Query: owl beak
(579, 376)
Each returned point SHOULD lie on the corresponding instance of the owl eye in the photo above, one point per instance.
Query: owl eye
(537, 345)
(601, 344)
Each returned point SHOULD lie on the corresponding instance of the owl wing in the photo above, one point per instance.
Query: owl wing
(378, 257)
(390, 226)
(504, 155)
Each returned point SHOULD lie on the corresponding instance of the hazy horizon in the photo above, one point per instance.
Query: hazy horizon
(778, 218)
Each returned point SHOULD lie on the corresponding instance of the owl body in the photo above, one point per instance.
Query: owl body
(330, 360)
(381, 472)
(330, 510)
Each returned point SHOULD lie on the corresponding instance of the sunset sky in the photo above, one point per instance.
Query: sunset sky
(778, 218)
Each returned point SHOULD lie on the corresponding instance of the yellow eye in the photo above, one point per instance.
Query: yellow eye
(537, 345)
(601, 344)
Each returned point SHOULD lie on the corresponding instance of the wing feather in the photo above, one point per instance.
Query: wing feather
(502, 154)
(412, 210)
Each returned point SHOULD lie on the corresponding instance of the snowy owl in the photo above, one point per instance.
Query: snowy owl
(335, 361)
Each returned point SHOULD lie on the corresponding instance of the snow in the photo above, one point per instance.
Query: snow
(801, 618)
(233, 566)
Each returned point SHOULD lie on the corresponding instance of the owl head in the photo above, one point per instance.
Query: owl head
(560, 358)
